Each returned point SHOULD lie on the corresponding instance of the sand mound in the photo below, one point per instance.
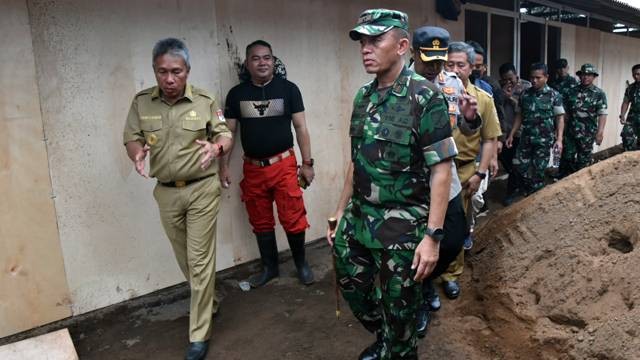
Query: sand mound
(557, 275)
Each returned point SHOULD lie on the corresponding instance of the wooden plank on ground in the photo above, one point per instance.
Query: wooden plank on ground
(56, 345)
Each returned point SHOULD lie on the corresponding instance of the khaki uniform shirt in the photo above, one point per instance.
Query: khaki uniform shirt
(171, 131)
(469, 146)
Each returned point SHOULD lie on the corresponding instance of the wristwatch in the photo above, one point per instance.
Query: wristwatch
(436, 234)
(308, 162)
(481, 175)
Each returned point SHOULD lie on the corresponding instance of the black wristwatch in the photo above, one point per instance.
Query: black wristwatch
(436, 234)
(481, 175)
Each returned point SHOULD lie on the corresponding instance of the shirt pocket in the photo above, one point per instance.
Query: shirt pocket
(152, 131)
(356, 132)
(193, 130)
(394, 146)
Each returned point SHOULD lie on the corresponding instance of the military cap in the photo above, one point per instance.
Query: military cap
(587, 69)
(432, 42)
(378, 21)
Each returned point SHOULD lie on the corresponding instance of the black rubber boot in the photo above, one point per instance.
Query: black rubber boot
(372, 352)
(296, 243)
(269, 255)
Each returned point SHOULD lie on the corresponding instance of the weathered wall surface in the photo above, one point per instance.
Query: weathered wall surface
(91, 57)
(33, 286)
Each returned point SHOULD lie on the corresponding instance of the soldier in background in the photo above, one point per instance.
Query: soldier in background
(563, 81)
(392, 208)
(586, 118)
(631, 122)
(540, 112)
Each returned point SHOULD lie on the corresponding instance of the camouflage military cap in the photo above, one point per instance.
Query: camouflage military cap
(432, 42)
(378, 21)
(587, 69)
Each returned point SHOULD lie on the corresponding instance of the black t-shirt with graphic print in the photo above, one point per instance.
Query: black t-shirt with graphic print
(264, 115)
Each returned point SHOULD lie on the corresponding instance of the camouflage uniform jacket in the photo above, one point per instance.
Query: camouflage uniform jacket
(395, 138)
(539, 109)
(564, 85)
(585, 104)
(632, 96)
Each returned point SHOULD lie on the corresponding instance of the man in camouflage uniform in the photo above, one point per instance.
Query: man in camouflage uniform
(631, 123)
(429, 53)
(539, 106)
(563, 82)
(392, 207)
(586, 118)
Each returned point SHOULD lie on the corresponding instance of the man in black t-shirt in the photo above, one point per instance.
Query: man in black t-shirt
(266, 106)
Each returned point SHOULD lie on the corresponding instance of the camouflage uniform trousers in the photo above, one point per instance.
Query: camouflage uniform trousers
(531, 160)
(630, 132)
(577, 146)
(390, 309)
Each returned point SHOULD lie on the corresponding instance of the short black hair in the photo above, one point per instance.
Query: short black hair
(479, 50)
(506, 67)
(258, 43)
(561, 64)
(539, 66)
(635, 67)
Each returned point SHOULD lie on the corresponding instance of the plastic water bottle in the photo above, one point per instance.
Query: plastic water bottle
(556, 157)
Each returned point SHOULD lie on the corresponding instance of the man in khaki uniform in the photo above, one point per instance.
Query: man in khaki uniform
(460, 60)
(184, 131)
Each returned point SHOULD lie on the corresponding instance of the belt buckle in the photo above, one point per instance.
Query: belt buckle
(181, 183)
(265, 162)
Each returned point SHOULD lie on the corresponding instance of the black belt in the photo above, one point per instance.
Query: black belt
(183, 183)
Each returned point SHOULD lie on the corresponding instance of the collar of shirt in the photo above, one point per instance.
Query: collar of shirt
(399, 87)
(188, 93)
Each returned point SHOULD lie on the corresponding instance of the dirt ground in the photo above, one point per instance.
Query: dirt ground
(557, 271)
(283, 320)
(550, 277)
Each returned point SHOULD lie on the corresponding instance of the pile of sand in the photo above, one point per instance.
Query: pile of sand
(557, 275)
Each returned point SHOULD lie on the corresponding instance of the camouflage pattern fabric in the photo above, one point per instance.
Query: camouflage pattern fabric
(584, 105)
(631, 130)
(395, 138)
(628, 135)
(564, 86)
(390, 309)
(396, 135)
(374, 22)
(539, 109)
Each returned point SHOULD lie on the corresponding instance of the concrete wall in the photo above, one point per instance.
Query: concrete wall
(91, 57)
(33, 288)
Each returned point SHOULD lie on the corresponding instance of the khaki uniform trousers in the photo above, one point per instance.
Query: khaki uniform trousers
(457, 266)
(188, 215)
